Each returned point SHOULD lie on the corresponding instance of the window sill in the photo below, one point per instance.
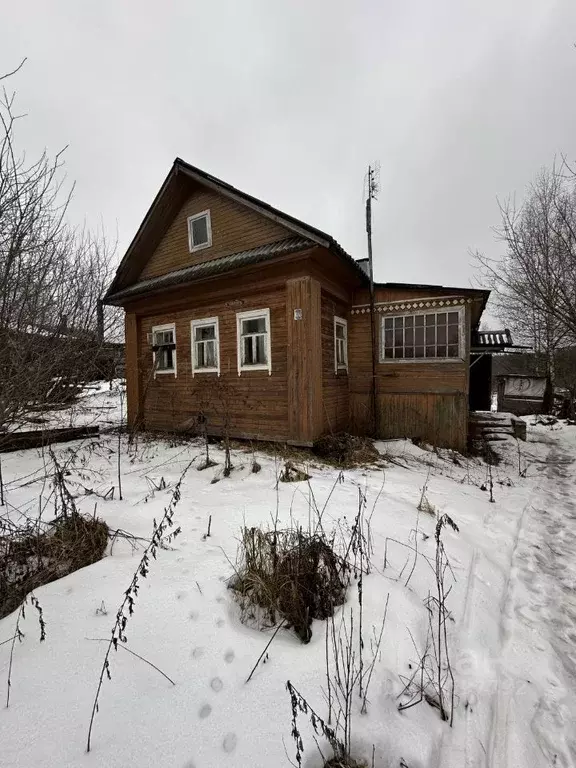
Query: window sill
(205, 370)
(419, 360)
(200, 247)
(245, 368)
(342, 369)
(171, 371)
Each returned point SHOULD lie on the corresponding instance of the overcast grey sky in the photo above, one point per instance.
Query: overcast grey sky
(460, 101)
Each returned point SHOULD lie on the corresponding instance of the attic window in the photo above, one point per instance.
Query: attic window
(199, 231)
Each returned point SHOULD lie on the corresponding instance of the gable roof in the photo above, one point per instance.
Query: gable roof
(161, 210)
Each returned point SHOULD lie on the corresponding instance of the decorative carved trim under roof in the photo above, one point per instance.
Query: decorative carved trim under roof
(445, 302)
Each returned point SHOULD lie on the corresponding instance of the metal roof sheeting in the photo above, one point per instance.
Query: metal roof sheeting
(214, 267)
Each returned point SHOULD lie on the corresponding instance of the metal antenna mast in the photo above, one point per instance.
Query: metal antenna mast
(373, 178)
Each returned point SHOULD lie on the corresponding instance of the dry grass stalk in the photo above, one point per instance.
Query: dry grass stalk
(433, 680)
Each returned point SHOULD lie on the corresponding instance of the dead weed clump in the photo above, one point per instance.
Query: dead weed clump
(346, 450)
(292, 474)
(289, 577)
(32, 556)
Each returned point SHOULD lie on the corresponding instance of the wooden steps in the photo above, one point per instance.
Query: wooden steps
(483, 425)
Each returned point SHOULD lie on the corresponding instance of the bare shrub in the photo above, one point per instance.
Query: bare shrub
(29, 558)
(289, 576)
(346, 450)
(35, 552)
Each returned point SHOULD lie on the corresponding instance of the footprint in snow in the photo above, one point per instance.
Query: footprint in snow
(216, 684)
(193, 615)
(189, 764)
(230, 742)
(181, 595)
(220, 622)
(229, 657)
(205, 711)
(220, 599)
(197, 653)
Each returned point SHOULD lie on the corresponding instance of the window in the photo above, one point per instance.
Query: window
(205, 346)
(422, 336)
(254, 341)
(340, 344)
(199, 231)
(164, 348)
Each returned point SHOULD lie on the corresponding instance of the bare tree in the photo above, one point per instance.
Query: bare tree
(534, 282)
(52, 277)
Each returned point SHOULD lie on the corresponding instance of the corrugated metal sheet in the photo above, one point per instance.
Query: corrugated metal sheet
(492, 339)
(214, 267)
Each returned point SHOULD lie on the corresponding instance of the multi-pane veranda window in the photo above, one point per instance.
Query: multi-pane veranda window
(254, 340)
(164, 348)
(205, 352)
(422, 336)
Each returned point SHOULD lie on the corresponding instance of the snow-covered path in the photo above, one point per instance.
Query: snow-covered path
(537, 668)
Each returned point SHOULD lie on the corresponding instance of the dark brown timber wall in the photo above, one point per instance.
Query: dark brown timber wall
(285, 405)
(336, 400)
(254, 404)
(425, 400)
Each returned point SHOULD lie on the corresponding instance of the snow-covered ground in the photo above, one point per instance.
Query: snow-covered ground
(513, 605)
(101, 403)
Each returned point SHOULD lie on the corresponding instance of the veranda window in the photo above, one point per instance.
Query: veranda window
(421, 336)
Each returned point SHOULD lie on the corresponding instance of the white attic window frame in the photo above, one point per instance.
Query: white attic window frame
(191, 219)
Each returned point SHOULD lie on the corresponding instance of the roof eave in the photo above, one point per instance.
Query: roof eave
(222, 267)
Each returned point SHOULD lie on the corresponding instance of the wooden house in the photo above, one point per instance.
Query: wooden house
(241, 317)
